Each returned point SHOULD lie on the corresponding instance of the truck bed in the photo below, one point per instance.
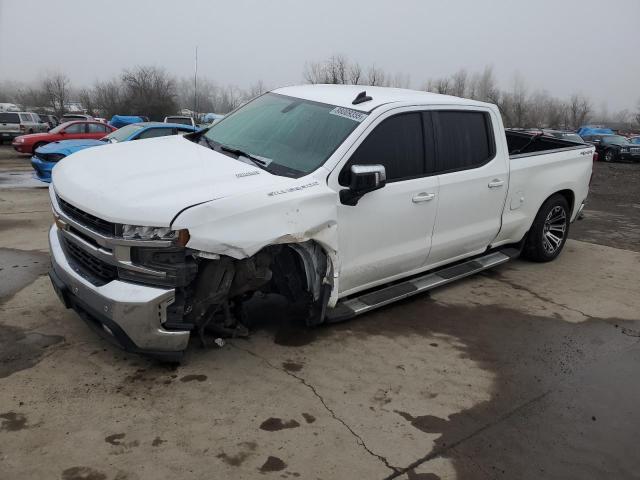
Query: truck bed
(523, 144)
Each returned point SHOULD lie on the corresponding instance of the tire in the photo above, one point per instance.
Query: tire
(544, 242)
(609, 156)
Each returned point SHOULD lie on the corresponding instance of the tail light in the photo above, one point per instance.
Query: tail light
(22, 128)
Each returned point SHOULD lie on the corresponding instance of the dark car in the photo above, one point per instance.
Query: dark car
(612, 148)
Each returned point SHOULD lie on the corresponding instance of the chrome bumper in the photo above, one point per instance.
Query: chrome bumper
(128, 313)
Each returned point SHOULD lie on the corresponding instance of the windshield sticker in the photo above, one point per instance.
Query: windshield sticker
(247, 174)
(293, 189)
(354, 115)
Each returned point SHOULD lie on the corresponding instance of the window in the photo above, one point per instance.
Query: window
(156, 132)
(464, 139)
(180, 120)
(26, 117)
(397, 143)
(97, 128)
(75, 128)
(6, 117)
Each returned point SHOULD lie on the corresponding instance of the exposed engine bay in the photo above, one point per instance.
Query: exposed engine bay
(213, 303)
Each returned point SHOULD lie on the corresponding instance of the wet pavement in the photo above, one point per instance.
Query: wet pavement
(526, 371)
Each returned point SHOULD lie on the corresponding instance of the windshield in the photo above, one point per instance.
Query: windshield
(298, 135)
(616, 139)
(122, 134)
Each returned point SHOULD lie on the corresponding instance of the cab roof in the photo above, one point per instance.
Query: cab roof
(344, 95)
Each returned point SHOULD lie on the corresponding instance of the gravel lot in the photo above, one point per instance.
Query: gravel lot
(525, 372)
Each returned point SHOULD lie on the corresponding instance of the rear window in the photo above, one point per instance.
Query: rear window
(464, 140)
(6, 117)
(180, 120)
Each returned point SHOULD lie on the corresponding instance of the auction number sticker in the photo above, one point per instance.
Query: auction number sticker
(354, 115)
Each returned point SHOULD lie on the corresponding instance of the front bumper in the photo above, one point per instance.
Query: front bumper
(21, 147)
(42, 170)
(629, 156)
(128, 314)
(4, 136)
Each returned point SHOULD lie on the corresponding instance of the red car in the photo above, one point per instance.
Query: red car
(67, 131)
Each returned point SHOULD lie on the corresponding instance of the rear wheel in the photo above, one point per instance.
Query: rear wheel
(609, 156)
(549, 231)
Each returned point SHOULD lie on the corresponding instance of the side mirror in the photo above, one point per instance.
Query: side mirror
(62, 132)
(364, 179)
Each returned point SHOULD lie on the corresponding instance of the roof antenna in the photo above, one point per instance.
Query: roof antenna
(361, 98)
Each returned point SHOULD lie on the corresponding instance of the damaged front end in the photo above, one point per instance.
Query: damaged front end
(214, 302)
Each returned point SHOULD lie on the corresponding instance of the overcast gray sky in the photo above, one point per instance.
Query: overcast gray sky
(562, 46)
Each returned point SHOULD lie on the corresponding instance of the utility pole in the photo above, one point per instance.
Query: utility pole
(195, 85)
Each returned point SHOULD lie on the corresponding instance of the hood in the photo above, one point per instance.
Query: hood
(67, 147)
(33, 137)
(150, 182)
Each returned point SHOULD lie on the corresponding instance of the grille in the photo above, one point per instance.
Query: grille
(635, 150)
(49, 157)
(86, 219)
(94, 265)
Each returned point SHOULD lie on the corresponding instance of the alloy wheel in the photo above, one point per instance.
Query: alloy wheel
(554, 230)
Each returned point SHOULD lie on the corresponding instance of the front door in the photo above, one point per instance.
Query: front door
(388, 233)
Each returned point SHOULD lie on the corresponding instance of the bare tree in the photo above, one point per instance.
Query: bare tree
(108, 98)
(514, 104)
(355, 74)
(85, 96)
(255, 90)
(400, 80)
(486, 89)
(56, 89)
(459, 83)
(442, 85)
(377, 76)
(149, 91)
(579, 110)
(29, 97)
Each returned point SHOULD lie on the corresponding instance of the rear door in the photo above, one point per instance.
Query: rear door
(388, 233)
(96, 130)
(473, 176)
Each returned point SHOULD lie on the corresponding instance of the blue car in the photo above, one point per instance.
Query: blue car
(46, 157)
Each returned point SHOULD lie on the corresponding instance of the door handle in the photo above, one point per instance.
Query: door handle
(423, 197)
(495, 183)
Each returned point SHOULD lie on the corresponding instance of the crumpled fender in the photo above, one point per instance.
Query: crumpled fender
(240, 226)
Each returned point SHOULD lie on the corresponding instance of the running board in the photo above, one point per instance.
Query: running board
(353, 306)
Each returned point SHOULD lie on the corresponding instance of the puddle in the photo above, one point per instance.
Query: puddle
(20, 350)
(19, 268)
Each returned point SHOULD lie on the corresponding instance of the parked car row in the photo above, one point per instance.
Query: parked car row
(609, 146)
(47, 156)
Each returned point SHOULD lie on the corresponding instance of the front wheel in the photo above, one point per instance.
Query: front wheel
(549, 231)
(609, 156)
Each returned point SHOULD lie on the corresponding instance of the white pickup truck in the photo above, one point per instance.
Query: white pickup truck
(340, 200)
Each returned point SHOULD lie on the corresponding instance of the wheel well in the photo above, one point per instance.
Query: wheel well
(569, 197)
